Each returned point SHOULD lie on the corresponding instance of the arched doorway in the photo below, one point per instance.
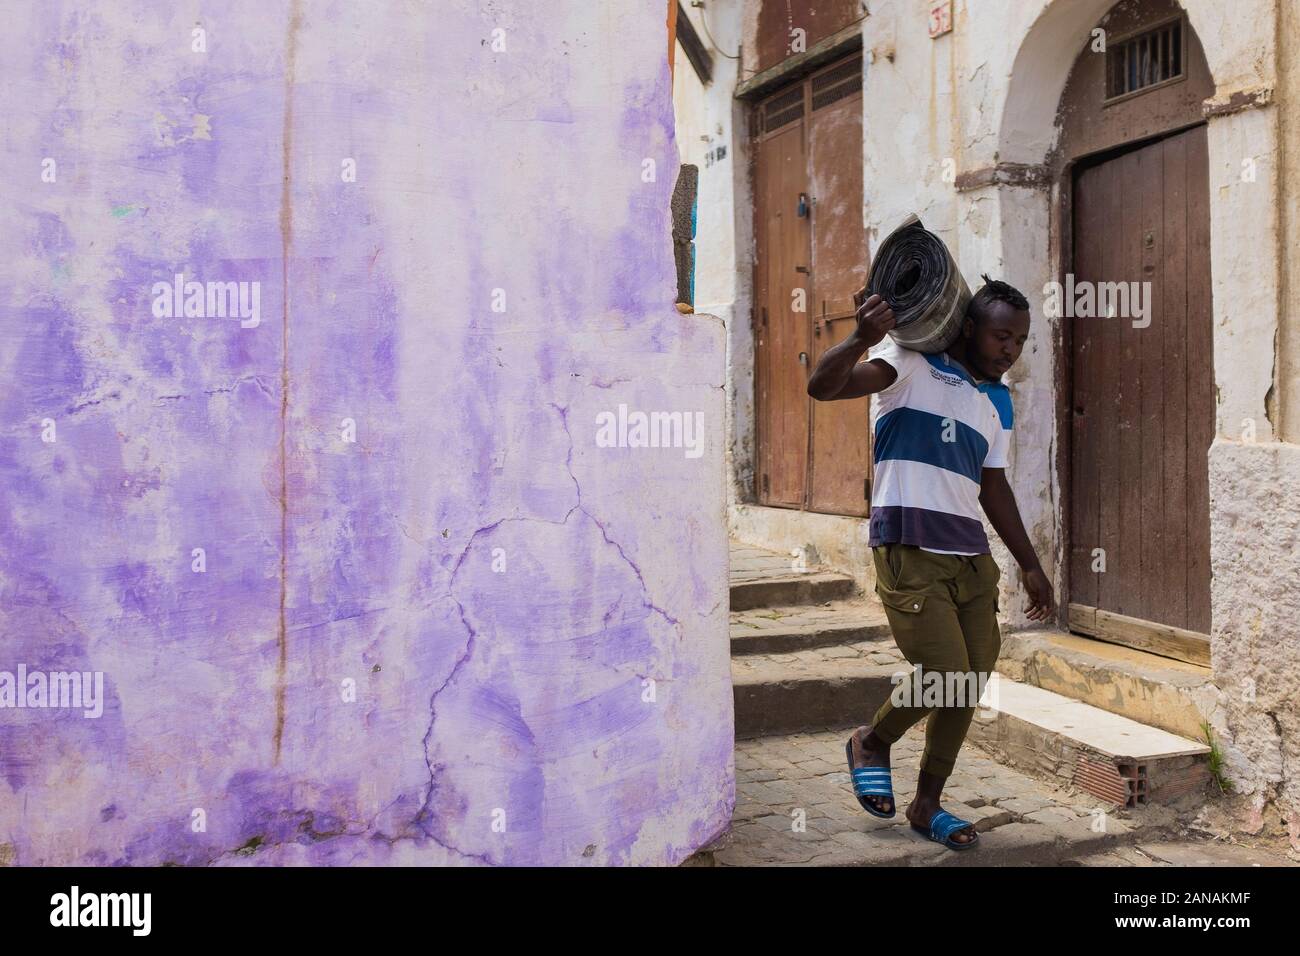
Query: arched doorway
(1133, 229)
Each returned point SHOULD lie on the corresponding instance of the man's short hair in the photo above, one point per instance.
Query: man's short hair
(994, 290)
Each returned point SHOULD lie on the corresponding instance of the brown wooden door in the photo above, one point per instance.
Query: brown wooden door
(841, 458)
(1143, 398)
(810, 257)
(782, 335)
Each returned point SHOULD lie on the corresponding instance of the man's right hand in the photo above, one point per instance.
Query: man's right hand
(874, 317)
(839, 375)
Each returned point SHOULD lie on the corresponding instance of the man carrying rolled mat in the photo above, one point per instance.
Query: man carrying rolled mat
(942, 429)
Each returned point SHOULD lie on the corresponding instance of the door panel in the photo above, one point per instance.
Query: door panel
(782, 334)
(840, 447)
(1143, 398)
(808, 142)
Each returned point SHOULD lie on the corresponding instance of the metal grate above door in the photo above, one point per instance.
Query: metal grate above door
(781, 109)
(833, 85)
(1146, 60)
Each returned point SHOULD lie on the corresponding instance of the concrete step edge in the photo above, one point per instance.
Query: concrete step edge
(1097, 729)
(1051, 736)
(781, 640)
(799, 702)
(791, 590)
(1152, 690)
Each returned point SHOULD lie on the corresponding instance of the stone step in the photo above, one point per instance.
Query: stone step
(781, 630)
(762, 578)
(1114, 758)
(814, 687)
(813, 587)
(1157, 691)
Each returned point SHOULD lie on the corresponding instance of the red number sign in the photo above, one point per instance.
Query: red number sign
(940, 18)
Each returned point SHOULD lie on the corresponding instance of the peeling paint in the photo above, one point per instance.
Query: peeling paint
(579, 695)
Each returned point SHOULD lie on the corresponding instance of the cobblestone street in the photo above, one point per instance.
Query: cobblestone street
(1021, 821)
(811, 659)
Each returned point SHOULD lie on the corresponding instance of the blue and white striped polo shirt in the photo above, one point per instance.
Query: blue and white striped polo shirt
(935, 429)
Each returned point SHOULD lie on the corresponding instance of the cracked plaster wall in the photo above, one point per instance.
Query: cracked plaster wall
(535, 625)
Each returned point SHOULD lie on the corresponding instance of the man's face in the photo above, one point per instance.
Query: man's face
(995, 343)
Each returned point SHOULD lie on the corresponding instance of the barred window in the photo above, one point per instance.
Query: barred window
(1145, 60)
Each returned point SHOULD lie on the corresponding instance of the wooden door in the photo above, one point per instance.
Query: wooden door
(781, 273)
(1143, 402)
(810, 257)
(841, 457)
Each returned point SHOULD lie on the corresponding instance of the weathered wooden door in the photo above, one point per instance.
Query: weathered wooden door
(841, 458)
(810, 257)
(781, 268)
(1143, 399)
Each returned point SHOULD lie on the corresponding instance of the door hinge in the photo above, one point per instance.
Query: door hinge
(767, 488)
(866, 489)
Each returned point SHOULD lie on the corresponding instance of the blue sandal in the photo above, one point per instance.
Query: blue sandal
(871, 782)
(943, 825)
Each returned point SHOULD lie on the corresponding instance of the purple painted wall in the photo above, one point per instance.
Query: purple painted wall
(475, 634)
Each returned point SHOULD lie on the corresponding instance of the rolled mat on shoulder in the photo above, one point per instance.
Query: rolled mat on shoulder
(915, 273)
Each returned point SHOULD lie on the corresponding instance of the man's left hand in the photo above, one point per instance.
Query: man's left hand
(1042, 603)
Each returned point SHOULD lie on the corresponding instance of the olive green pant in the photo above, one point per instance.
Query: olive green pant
(942, 609)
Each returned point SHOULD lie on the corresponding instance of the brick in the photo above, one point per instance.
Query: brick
(760, 793)
(995, 791)
(1078, 831)
(765, 855)
(1114, 825)
(840, 811)
(800, 620)
(853, 839)
(818, 766)
(981, 768)
(829, 826)
(785, 792)
(1051, 815)
(806, 748)
(748, 810)
(965, 796)
(746, 760)
(1019, 841)
(987, 817)
(791, 751)
(795, 774)
(823, 791)
(774, 762)
(768, 624)
(777, 822)
(1023, 805)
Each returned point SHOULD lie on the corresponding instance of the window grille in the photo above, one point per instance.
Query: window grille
(1145, 60)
